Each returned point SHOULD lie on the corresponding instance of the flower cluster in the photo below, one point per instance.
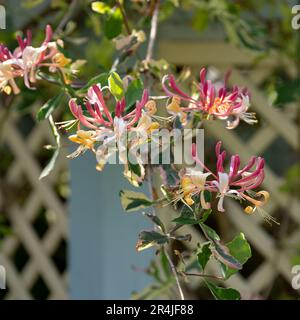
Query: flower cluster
(127, 127)
(230, 105)
(122, 130)
(26, 60)
(238, 183)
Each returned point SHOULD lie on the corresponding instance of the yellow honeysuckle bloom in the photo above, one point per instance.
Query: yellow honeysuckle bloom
(150, 107)
(60, 59)
(175, 109)
(85, 138)
(194, 183)
(262, 199)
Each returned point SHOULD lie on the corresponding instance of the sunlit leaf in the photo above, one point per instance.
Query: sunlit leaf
(115, 85)
(100, 7)
(133, 201)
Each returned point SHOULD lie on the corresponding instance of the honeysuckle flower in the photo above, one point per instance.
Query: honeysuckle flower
(193, 182)
(174, 109)
(238, 183)
(85, 139)
(230, 105)
(7, 75)
(258, 200)
(119, 131)
(26, 60)
(99, 115)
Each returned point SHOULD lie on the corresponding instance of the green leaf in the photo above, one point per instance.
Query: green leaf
(50, 166)
(113, 24)
(207, 196)
(222, 293)
(204, 255)
(222, 254)
(149, 239)
(136, 168)
(134, 92)
(115, 85)
(155, 219)
(209, 232)
(133, 201)
(240, 249)
(186, 217)
(185, 220)
(100, 7)
(46, 110)
(205, 215)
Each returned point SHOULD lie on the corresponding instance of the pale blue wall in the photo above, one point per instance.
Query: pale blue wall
(103, 237)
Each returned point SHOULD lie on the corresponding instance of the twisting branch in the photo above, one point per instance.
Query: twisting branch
(201, 275)
(125, 18)
(67, 16)
(153, 31)
(175, 273)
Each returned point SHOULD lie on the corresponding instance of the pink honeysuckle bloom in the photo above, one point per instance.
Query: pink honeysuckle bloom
(235, 183)
(119, 131)
(99, 115)
(225, 104)
(25, 60)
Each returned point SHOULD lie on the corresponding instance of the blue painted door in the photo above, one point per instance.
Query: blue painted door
(102, 237)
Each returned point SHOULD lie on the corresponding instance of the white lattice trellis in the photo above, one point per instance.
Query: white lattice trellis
(41, 195)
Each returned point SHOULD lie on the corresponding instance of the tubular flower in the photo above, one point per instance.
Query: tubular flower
(237, 182)
(192, 183)
(25, 61)
(119, 131)
(174, 109)
(230, 105)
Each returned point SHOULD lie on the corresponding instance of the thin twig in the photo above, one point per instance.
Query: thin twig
(178, 226)
(175, 273)
(153, 31)
(125, 18)
(67, 16)
(201, 275)
(150, 184)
